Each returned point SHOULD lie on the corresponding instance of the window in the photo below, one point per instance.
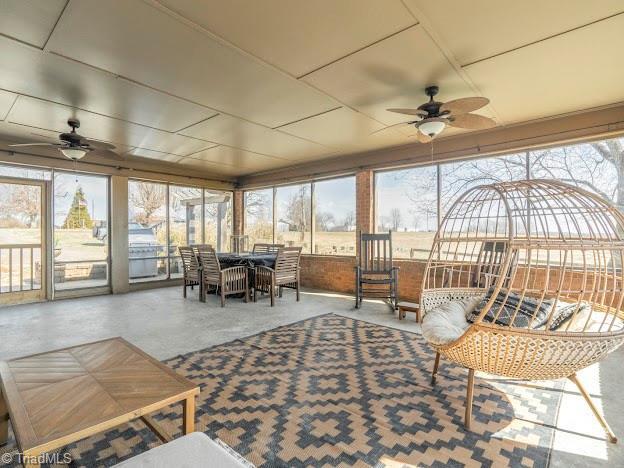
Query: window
(294, 216)
(407, 205)
(164, 217)
(259, 216)
(147, 231)
(458, 177)
(334, 217)
(80, 231)
(590, 166)
(218, 219)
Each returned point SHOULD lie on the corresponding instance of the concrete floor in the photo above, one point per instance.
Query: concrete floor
(163, 324)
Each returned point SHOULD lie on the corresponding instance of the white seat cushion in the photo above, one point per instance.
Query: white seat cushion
(190, 451)
(447, 322)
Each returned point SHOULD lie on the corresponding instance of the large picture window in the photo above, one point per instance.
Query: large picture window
(80, 231)
(334, 217)
(163, 217)
(147, 231)
(294, 216)
(407, 205)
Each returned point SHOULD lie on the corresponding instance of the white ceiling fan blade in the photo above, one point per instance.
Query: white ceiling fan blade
(34, 144)
(472, 122)
(464, 105)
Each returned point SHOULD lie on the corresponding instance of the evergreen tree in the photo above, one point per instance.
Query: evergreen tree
(78, 215)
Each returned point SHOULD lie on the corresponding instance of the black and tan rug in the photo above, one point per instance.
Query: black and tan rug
(334, 391)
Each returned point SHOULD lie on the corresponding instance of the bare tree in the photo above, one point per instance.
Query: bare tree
(395, 219)
(324, 221)
(148, 198)
(297, 213)
(349, 221)
(22, 203)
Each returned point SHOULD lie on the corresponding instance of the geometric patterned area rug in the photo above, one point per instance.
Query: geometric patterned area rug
(334, 391)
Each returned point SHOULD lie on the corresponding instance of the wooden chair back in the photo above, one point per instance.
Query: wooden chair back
(375, 253)
(287, 264)
(189, 260)
(209, 262)
(489, 263)
(266, 248)
(239, 243)
(197, 247)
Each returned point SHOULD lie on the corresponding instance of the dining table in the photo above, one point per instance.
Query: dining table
(249, 259)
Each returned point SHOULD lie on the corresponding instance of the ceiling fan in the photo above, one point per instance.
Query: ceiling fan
(433, 117)
(74, 146)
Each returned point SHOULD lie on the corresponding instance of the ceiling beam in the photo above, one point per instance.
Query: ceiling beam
(580, 126)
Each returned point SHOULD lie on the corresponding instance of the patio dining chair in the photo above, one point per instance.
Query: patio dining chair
(260, 248)
(284, 275)
(227, 281)
(190, 267)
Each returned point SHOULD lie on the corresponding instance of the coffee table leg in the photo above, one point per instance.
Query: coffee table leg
(4, 420)
(188, 415)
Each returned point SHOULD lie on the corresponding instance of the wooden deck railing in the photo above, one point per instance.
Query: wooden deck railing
(20, 267)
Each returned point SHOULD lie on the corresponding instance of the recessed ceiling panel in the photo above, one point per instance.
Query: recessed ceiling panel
(139, 41)
(6, 101)
(567, 73)
(298, 36)
(392, 73)
(344, 128)
(29, 21)
(477, 29)
(61, 80)
(233, 161)
(150, 154)
(46, 115)
(238, 133)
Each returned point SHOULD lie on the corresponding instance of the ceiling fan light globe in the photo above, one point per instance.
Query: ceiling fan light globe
(432, 127)
(73, 153)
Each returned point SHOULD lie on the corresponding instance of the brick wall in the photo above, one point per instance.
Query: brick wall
(336, 274)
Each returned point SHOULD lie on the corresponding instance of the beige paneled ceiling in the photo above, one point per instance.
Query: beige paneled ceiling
(391, 73)
(6, 101)
(151, 47)
(30, 21)
(477, 29)
(297, 36)
(230, 131)
(554, 74)
(239, 87)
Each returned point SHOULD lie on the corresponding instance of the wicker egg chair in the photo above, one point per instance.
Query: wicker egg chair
(537, 267)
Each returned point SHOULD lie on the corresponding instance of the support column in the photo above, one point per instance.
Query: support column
(118, 235)
(364, 203)
(238, 210)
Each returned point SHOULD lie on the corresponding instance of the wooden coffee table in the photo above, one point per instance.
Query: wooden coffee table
(63, 396)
